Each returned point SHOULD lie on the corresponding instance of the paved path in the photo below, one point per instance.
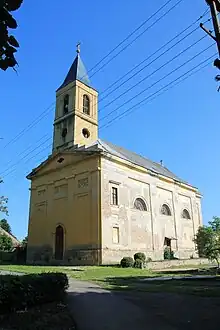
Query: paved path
(94, 308)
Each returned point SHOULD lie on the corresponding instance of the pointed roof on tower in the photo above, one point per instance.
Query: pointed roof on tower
(77, 71)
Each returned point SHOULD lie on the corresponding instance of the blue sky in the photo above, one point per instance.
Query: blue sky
(181, 126)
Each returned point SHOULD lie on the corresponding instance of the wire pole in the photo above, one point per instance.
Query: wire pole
(214, 9)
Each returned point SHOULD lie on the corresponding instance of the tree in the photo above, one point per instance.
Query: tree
(3, 203)
(5, 243)
(24, 242)
(8, 43)
(5, 225)
(207, 240)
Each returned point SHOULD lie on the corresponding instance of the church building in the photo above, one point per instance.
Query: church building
(93, 202)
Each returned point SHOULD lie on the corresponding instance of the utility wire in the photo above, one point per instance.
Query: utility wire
(150, 75)
(24, 157)
(152, 85)
(150, 56)
(147, 29)
(48, 110)
(26, 149)
(154, 95)
(126, 112)
(45, 113)
(13, 170)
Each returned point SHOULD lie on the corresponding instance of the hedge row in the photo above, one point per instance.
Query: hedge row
(19, 292)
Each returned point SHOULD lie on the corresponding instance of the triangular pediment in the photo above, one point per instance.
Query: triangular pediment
(60, 160)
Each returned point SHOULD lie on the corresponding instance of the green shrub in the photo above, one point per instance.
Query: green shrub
(139, 263)
(149, 259)
(19, 292)
(140, 256)
(127, 262)
(168, 254)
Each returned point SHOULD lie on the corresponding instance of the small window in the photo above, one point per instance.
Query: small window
(66, 104)
(140, 205)
(86, 105)
(185, 214)
(115, 235)
(86, 133)
(114, 196)
(165, 210)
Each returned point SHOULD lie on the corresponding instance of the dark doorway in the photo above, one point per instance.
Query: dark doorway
(167, 242)
(59, 240)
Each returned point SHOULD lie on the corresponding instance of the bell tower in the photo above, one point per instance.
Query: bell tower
(76, 116)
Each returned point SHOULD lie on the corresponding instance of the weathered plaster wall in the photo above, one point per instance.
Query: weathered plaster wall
(140, 230)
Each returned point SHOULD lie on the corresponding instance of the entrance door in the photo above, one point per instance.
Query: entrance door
(167, 243)
(59, 240)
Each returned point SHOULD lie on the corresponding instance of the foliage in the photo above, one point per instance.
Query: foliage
(20, 292)
(168, 254)
(8, 43)
(127, 262)
(149, 259)
(5, 225)
(139, 263)
(5, 243)
(24, 241)
(207, 240)
(140, 256)
(3, 203)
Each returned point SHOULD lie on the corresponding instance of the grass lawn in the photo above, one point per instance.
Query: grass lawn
(52, 316)
(116, 278)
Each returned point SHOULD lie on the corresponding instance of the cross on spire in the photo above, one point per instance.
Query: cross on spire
(78, 47)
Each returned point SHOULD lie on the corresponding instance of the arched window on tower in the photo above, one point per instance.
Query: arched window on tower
(165, 210)
(185, 214)
(66, 104)
(140, 204)
(86, 104)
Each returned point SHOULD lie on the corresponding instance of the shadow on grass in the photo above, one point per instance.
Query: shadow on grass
(208, 287)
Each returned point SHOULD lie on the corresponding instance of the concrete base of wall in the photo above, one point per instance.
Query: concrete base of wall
(114, 256)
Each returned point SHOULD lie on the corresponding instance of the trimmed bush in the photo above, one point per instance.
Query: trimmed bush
(140, 256)
(19, 292)
(139, 263)
(127, 262)
(168, 254)
(149, 259)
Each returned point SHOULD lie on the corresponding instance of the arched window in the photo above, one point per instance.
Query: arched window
(185, 214)
(165, 210)
(86, 105)
(66, 104)
(59, 242)
(140, 205)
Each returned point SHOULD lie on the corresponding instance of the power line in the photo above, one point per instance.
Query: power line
(38, 146)
(13, 170)
(150, 75)
(26, 149)
(47, 111)
(150, 56)
(147, 29)
(126, 112)
(156, 94)
(130, 35)
(152, 85)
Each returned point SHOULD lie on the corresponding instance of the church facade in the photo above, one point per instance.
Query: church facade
(93, 202)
